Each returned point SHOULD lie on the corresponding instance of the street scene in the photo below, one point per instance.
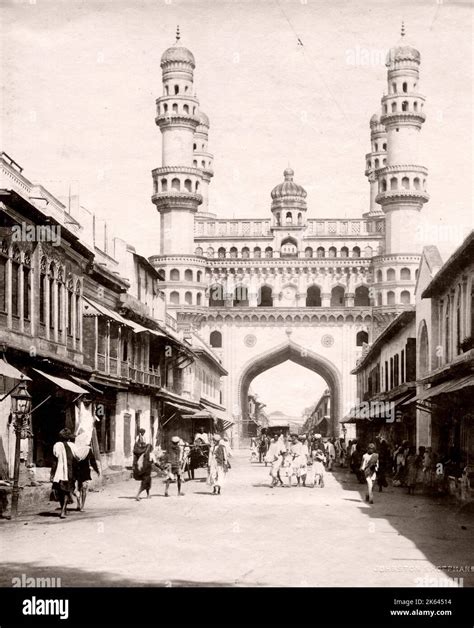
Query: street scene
(251, 535)
(236, 296)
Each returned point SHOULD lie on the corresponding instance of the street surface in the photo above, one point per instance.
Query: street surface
(250, 535)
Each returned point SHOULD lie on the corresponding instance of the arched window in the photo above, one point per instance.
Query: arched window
(320, 252)
(164, 185)
(195, 163)
(379, 276)
(390, 297)
(269, 251)
(344, 251)
(199, 275)
(332, 251)
(198, 251)
(308, 252)
(27, 287)
(174, 274)
(198, 298)
(313, 297)
(394, 107)
(393, 183)
(215, 339)
(377, 163)
(265, 298)
(385, 109)
(175, 184)
(186, 109)
(424, 351)
(188, 275)
(175, 108)
(390, 274)
(361, 296)
(233, 252)
(405, 88)
(289, 248)
(194, 146)
(356, 252)
(405, 274)
(394, 88)
(384, 146)
(415, 105)
(300, 218)
(383, 185)
(176, 89)
(241, 296)
(188, 298)
(221, 253)
(174, 297)
(289, 218)
(245, 252)
(216, 296)
(167, 90)
(405, 297)
(405, 105)
(52, 303)
(165, 107)
(361, 338)
(188, 185)
(406, 183)
(257, 252)
(416, 183)
(203, 164)
(42, 291)
(278, 219)
(337, 296)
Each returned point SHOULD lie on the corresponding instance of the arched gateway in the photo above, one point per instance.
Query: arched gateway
(302, 356)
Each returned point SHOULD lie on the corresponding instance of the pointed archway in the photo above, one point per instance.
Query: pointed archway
(302, 356)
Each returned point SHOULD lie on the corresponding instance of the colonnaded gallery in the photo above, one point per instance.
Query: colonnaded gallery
(297, 285)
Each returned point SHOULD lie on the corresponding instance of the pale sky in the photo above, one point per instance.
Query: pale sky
(298, 388)
(81, 79)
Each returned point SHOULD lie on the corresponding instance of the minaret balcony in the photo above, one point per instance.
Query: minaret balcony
(176, 200)
(393, 197)
(173, 119)
(403, 118)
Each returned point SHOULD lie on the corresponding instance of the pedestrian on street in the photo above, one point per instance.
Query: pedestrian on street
(369, 468)
(318, 468)
(413, 466)
(274, 457)
(303, 460)
(62, 470)
(142, 469)
(384, 464)
(218, 465)
(174, 463)
(82, 474)
(331, 453)
(253, 450)
(201, 437)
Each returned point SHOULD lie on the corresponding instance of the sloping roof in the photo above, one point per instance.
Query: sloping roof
(458, 260)
(402, 320)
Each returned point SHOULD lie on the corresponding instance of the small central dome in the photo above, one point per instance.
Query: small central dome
(178, 54)
(288, 187)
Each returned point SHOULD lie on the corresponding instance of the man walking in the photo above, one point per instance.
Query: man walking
(174, 465)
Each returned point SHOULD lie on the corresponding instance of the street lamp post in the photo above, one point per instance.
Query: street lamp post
(21, 406)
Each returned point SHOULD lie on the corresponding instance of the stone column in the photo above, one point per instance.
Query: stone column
(349, 299)
(325, 299)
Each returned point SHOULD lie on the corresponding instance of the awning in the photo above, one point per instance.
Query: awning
(139, 329)
(65, 384)
(446, 387)
(7, 370)
(181, 408)
(86, 384)
(92, 308)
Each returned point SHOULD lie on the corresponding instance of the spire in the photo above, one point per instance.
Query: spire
(178, 36)
(402, 31)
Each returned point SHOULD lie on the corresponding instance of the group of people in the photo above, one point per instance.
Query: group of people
(174, 462)
(71, 470)
(298, 458)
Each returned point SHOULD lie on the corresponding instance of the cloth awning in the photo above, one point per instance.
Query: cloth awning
(216, 415)
(92, 308)
(139, 329)
(446, 387)
(7, 370)
(181, 408)
(86, 384)
(65, 384)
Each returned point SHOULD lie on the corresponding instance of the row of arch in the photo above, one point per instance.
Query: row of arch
(391, 298)
(404, 274)
(290, 218)
(257, 252)
(175, 108)
(407, 106)
(164, 185)
(395, 85)
(187, 275)
(376, 163)
(401, 183)
(202, 165)
(176, 89)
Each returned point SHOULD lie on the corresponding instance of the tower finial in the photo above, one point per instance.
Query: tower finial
(178, 36)
(402, 32)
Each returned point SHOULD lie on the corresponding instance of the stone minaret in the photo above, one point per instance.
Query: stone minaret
(402, 182)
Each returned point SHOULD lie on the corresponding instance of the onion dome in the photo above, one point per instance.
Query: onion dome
(203, 119)
(288, 187)
(403, 51)
(178, 54)
(374, 120)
